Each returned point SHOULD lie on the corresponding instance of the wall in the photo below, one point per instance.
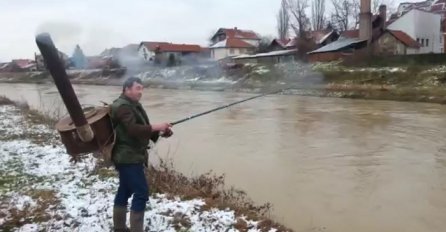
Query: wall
(421, 25)
(220, 53)
(325, 57)
(387, 44)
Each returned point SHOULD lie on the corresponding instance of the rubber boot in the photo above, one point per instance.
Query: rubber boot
(119, 219)
(136, 221)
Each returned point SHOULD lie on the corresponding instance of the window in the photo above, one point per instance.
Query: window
(427, 42)
(231, 51)
(422, 42)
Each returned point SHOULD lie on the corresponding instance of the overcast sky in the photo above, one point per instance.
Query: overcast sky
(99, 24)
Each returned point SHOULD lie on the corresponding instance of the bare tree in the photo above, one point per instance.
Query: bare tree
(356, 9)
(300, 22)
(345, 14)
(389, 3)
(318, 14)
(283, 21)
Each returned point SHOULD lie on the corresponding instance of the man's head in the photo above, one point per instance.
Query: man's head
(133, 88)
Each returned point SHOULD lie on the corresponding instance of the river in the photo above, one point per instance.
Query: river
(326, 164)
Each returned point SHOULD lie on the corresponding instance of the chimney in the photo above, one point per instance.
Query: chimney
(383, 16)
(365, 21)
(235, 28)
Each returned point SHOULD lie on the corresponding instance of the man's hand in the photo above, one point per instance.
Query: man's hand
(161, 127)
(167, 133)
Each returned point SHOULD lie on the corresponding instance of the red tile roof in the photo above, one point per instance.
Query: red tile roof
(240, 34)
(405, 39)
(170, 47)
(237, 43)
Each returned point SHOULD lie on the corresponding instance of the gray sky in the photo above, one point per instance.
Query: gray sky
(99, 24)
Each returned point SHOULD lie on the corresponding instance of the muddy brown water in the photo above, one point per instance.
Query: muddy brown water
(325, 164)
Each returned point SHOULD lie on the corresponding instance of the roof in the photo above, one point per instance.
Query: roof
(350, 34)
(232, 43)
(337, 45)
(267, 54)
(171, 47)
(281, 42)
(238, 33)
(324, 37)
(404, 38)
(4, 65)
(23, 63)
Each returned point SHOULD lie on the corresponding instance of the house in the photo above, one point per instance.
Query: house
(19, 65)
(393, 42)
(433, 6)
(313, 40)
(423, 26)
(388, 42)
(371, 27)
(278, 44)
(232, 42)
(405, 7)
(163, 52)
(372, 38)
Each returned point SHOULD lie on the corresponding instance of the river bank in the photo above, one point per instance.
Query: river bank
(413, 83)
(41, 190)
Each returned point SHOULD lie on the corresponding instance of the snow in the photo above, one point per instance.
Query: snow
(267, 54)
(85, 201)
(325, 37)
(220, 44)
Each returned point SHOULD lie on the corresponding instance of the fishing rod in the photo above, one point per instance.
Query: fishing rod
(223, 107)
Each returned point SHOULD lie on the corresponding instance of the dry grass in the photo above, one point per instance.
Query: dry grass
(46, 200)
(211, 188)
(5, 101)
(358, 87)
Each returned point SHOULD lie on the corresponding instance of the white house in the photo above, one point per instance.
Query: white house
(233, 42)
(424, 27)
(149, 50)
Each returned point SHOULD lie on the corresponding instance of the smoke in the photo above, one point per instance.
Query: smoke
(64, 34)
(92, 38)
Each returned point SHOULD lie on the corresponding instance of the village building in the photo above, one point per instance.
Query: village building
(233, 42)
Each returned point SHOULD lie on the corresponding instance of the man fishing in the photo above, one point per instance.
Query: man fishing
(133, 132)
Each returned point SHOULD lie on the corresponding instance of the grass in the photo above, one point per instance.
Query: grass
(45, 200)
(210, 187)
(411, 83)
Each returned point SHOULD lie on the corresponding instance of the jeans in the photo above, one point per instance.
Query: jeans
(132, 181)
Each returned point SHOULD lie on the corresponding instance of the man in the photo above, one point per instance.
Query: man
(133, 132)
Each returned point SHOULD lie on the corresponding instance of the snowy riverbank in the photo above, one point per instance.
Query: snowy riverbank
(42, 191)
